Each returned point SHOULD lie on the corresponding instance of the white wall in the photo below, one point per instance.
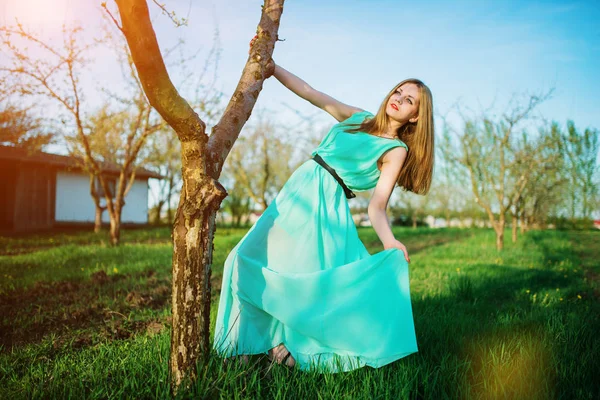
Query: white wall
(74, 202)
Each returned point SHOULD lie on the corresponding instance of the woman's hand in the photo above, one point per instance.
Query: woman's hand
(270, 63)
(395, 244)
(337, 109)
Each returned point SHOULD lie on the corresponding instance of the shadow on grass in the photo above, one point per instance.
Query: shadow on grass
(506, 342)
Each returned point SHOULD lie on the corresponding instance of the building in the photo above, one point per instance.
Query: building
(41, 191)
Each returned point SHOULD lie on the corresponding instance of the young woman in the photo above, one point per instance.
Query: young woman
(300, 286)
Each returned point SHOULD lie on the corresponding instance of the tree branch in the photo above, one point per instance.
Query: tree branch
(258, 68)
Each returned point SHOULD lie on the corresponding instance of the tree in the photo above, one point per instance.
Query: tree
(448, 193)
(581, 150)
(19, 128)
(115, 140)
(165, 157)
(164, 149)
(57, 76)
(487, 150)
(203, 158)
(534, 161)
(260, 162)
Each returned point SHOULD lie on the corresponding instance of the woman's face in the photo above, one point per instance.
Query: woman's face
(403, 104)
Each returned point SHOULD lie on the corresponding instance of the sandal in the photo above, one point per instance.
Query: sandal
(283, 361)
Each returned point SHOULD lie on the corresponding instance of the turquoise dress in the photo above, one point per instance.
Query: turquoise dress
(302, 277)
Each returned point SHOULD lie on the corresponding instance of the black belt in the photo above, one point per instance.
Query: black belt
(349, 193)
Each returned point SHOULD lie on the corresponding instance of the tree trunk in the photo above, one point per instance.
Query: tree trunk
(414, 221)
(98, 219)
(159, 207)
(499, 229)
(193, 234)
(115, 228)
(515, 222)
(169, 195)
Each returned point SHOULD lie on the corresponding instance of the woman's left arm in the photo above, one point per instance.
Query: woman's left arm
(390, 170)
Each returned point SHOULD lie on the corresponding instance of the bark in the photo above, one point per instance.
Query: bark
(499, 229)
(98, 219)
(159, 207)
(98, 207)
(202, 162)
(515, 222)
(115, 229)
(523, 222)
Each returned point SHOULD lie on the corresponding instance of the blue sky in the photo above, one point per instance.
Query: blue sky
(474, 52)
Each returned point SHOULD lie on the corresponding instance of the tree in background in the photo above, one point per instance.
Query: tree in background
(409, 207)
(259, 163)
(581, 151)
(114, 138)
(19, 128)
(487, 149)
(203, 158)
(55, 75)
(534, 161)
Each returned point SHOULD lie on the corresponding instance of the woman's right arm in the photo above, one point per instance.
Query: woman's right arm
(337, 109)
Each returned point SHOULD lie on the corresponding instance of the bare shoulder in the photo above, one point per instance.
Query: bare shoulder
(393, 158)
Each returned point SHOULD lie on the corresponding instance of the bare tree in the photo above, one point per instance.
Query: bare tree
(533, 159)
(203, 158)
(486, 148)
(581, 149)
(238, 204)
(115, 140)
(260, 162)
(57, 77)
(165, 157)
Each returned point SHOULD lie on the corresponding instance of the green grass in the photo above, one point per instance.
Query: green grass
(81, 319)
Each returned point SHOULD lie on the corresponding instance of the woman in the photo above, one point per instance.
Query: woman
(300, 286)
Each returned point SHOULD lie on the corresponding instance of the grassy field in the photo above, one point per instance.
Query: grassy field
(81, 319)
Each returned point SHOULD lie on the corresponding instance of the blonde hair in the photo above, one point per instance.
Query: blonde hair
(417, 171)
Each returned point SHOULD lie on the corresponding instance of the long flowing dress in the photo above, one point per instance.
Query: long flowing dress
(302, 277)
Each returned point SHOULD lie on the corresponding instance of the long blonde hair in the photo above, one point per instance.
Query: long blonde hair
(417, 171)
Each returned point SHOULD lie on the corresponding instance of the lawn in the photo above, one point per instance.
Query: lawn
(82, 319)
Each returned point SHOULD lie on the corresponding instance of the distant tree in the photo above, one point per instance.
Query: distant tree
(259, 163)
(487, 150)
(237, 203)
(535, 163)
(116, 140)
(165, 158)
(113, 138)
(410, 206)
(448, 194)
(581, 150)
(19, 128)
(54, 73)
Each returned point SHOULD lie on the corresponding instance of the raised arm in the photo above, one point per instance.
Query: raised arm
(337, 109)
